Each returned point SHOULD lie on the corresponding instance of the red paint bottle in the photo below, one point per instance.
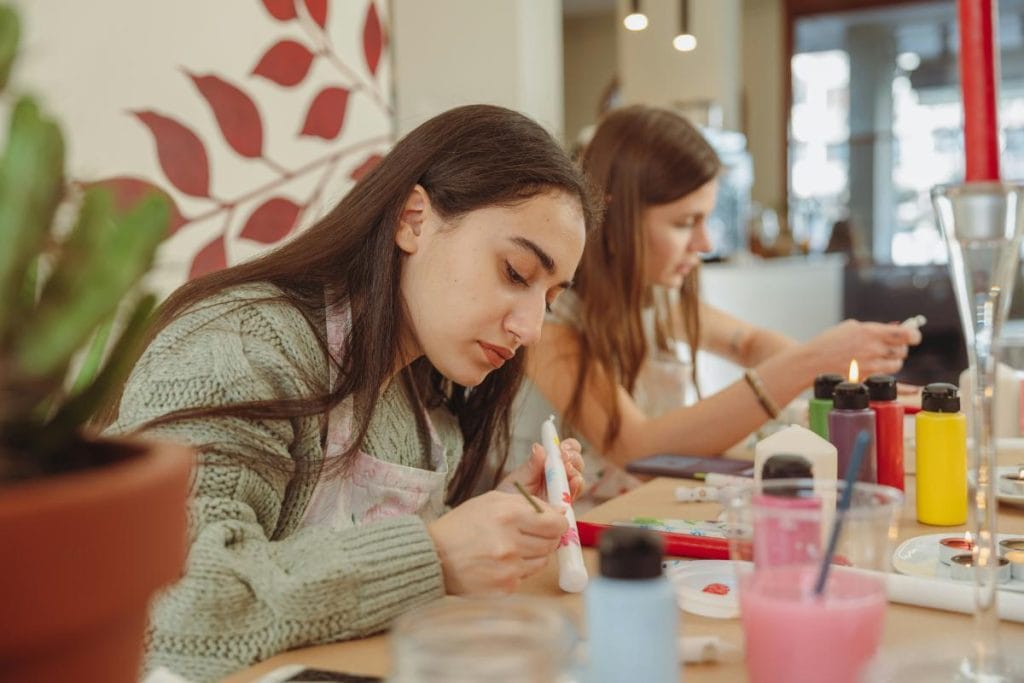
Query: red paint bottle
(888, 429)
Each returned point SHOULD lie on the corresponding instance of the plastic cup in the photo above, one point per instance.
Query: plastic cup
(515, 639)
(780, 533)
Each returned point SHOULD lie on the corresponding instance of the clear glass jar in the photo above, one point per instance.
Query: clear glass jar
(458, 640)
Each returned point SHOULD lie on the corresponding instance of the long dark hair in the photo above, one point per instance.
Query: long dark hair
(639, 157)
(467, 158)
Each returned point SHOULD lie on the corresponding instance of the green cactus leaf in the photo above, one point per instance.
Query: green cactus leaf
(93, 357)
(31, 184)
(10, 37)
(102, 261)
(80, 408)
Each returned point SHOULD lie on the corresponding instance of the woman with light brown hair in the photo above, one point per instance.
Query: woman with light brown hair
(596, 364)
(343, 391)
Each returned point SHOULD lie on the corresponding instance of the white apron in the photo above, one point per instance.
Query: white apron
(371, 489)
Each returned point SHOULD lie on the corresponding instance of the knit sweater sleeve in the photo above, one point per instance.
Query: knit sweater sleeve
(253, 587)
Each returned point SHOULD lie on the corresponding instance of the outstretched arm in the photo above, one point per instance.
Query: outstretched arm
(717, 422)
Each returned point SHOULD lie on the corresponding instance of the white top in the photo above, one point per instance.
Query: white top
(662, 384)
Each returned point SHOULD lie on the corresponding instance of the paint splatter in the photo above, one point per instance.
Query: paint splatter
(570, 537)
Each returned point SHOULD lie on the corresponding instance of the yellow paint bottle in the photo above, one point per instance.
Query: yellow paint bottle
(941, 432)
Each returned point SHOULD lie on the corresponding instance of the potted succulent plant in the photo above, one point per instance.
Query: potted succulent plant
(89, 528)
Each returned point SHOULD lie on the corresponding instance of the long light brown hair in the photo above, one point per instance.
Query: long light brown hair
(468, 158)
(639, 157)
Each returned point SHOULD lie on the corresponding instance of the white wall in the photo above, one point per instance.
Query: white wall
(765, 109)
(97, 62)
(590, 65)
(653, 72)
(798, 296)
(454, 52)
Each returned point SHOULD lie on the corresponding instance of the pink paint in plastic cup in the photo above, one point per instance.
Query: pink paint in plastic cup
(780, 533)
(794, 636)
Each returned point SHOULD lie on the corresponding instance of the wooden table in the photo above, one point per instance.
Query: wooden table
(905, 626)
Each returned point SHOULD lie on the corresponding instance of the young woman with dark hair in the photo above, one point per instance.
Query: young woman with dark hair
(657, 175)
(343, 390)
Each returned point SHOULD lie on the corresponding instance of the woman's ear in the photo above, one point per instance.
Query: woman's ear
(412, 220)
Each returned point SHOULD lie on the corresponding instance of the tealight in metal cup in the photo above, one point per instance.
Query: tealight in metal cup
(1010, 544)
(1012, 484)
(961, 568)
(954, 545)
(1016, 560)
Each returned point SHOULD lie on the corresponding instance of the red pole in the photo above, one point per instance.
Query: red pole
(979, 79)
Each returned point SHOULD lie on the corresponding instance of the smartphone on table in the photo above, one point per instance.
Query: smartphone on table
(688, 466)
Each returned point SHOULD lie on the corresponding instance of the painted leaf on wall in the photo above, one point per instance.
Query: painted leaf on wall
(326, 114)
(210, 258)
(368, 165)
(286, 63)
(236, 114)
(318, 11)
(282, 10)
(373, 39)
(128, 190)
(271, 221)
(181, 153)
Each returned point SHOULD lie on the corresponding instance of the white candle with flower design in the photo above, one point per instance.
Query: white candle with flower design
(572, 573)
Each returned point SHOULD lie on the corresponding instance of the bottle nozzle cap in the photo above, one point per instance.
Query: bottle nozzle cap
(881, 387)
(851, 396)
(825, 385)
(940, 397)
(630, 553)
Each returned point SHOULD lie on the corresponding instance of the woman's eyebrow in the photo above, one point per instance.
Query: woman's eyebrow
(546, 261)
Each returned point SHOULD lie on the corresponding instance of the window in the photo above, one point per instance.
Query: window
(876, 122)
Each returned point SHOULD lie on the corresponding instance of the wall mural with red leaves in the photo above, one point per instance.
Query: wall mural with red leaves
(286, 104)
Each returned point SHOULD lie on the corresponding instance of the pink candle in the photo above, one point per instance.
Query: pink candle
(978, 78)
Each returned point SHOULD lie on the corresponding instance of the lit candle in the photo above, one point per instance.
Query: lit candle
(1013, 483)
(978, 59)
(955, 545)
(854, 375)
(961, 568)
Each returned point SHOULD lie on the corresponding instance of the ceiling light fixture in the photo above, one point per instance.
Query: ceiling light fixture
(635, 20)
(684, 41)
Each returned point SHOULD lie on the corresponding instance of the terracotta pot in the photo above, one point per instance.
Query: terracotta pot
(80, 557)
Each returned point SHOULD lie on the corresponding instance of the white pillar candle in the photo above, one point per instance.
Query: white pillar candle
(1006, 406)
(797, 440)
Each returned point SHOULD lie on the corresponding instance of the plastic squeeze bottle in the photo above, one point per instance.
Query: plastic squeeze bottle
(632, 617)
(941, 433)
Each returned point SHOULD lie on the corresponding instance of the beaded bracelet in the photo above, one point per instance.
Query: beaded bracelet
(757, 386)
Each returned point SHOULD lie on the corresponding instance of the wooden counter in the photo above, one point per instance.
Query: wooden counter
(906, 628)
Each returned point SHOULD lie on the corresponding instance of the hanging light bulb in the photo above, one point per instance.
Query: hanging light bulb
(635, 20)
(684, 41)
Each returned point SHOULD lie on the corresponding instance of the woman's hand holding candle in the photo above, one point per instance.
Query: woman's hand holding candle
(531, 473)
(572, 573)
(491, 542)
(878, 347)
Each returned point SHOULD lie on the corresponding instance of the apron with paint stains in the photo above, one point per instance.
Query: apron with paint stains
(372, 489)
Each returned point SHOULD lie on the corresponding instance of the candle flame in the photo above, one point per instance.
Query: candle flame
(854, 371)
(968, 537)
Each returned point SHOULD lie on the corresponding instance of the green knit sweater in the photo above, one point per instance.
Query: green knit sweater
(255, 583)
